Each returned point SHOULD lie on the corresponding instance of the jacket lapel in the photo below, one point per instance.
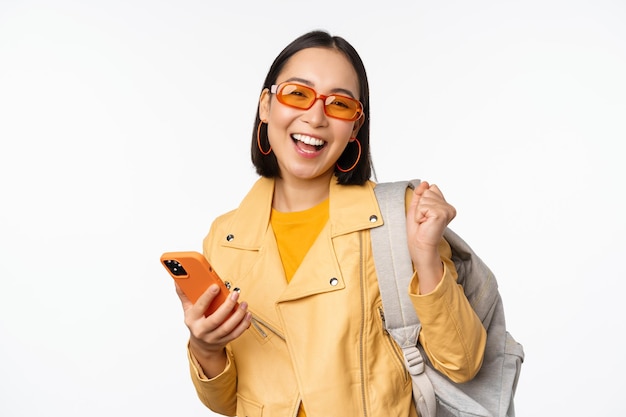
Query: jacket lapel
(319, 271)
(352, 208)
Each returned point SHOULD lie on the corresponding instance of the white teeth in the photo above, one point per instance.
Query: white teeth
(308, 140)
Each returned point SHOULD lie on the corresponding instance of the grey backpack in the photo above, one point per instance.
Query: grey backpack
(491, 392)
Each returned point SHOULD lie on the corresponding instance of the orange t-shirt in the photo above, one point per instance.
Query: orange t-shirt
(295, 232)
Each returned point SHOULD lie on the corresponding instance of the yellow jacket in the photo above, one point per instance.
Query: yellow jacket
(320, 339)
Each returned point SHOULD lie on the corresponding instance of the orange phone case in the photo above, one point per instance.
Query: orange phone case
(194, 275)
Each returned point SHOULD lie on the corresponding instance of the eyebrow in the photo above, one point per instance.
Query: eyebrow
(310, 84)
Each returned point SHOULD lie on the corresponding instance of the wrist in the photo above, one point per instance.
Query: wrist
(201, 350)
(210, 363)
(427, 255)
(429, 269)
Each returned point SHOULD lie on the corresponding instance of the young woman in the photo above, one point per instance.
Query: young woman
(309, 339)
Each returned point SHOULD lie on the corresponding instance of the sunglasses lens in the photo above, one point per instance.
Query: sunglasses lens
(303, 97)
(297, 96)
(342, 107)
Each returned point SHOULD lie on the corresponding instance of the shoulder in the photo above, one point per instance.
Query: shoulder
(248, 222)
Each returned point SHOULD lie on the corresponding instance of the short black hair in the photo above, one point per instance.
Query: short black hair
(267, 165)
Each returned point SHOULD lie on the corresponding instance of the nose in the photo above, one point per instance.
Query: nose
(316, 115)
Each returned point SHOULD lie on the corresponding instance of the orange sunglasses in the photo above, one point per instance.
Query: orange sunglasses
(302, 97)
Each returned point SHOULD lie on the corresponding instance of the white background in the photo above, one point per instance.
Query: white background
(125, 129)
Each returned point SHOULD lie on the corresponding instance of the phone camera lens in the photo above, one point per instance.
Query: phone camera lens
(175, 267)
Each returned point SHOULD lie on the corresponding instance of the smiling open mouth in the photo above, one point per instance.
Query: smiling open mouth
(308, 143)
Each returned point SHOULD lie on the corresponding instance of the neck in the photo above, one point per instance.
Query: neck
(300, 194)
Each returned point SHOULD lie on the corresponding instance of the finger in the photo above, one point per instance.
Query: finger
(422, 186)
(422, 209)
(434, 189)
(433, 204)
(418, 192)
(202, 303)
(243, 325)
(223, 331)
(236, 321)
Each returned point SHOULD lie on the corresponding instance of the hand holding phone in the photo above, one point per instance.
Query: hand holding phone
(193, 274)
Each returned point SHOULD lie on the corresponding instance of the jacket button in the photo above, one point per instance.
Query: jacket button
(334, 281)
(373, 218)
(230, 238)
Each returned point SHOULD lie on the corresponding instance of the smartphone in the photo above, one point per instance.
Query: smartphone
(193, 274)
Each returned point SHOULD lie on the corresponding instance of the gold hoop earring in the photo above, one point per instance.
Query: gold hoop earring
(358, 158)
(258, 139)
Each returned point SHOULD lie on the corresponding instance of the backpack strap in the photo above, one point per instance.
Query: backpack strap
(395, 269)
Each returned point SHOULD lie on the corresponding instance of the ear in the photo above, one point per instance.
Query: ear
(264, 104)
(357, 125)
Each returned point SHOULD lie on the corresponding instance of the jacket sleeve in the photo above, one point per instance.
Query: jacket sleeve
(218, 393)
(452, 335)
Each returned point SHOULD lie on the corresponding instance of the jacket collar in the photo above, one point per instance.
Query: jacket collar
(351, 207)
